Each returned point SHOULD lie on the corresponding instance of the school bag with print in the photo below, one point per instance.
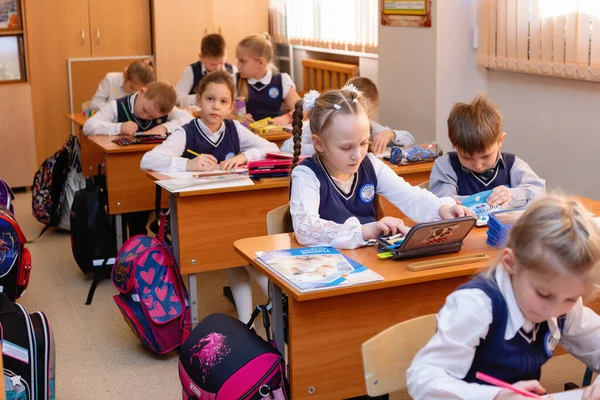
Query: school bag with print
(27, 353)
(15, 259)
(6, 196)
(48, 184)
(152, 298)
(74, 182)
(223, 359)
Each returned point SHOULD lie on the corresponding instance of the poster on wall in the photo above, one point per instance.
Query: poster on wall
(9, 14)
(415, 13)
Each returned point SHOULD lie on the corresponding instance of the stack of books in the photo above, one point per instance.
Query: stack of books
(499, 225)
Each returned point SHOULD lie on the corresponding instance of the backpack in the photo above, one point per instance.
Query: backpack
(6, 196)
(152, 298)
(48, 183)
(93, 240)
(223, 359)
(15, 259)
(73, 183)
(28, 353)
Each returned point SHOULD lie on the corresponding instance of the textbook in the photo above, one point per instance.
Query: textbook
(316, 268)
(478, 203)
(205, 182)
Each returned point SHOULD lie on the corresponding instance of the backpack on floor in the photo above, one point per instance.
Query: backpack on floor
(48, 184)
(15, 259)
(223, 359)
(27, 353)
(153, 298)
(6, 196)
(74, 182)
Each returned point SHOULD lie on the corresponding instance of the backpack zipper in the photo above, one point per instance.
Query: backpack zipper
(267, 374)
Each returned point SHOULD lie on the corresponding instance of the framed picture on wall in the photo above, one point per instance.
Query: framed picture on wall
(415, 13)
(10, 16)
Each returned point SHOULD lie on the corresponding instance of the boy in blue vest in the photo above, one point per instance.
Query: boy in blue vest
(477, 165)
(211, 58)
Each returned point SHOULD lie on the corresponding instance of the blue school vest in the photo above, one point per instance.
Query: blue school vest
(143, 124)
(468, 183)
(337, 206)
(267, 101)
(196, 140)
(197, 70)
(513, 360)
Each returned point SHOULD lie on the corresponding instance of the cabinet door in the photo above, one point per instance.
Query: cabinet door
(178, 32)
(236, 19)
(56, 30)
(120, 28)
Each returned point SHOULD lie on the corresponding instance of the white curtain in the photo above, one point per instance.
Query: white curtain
(549, 37)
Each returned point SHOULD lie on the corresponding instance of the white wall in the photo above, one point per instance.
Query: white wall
(554, 125)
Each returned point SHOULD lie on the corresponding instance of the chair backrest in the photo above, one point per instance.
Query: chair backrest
(424, 185)
(387, 355)
(326, 75)
(275, 222)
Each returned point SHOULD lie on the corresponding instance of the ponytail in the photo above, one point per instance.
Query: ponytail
(377, 203)
(297, 138)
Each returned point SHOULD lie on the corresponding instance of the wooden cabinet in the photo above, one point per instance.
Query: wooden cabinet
(178, 31)
(62, 29)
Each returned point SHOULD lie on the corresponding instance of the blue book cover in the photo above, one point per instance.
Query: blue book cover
(478, 203)
(312, 268)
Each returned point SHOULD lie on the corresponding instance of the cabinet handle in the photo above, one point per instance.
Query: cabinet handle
(220, 30)
(205, 31)
(97, 35)
(82, 37)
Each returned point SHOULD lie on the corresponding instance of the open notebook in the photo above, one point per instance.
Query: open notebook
(205, 183)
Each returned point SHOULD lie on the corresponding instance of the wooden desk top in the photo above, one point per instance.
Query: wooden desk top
(104, 143)
(79, 119)
(395, 273)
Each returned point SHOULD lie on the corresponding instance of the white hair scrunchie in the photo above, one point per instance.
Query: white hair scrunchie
(308, 101)
(353, 89)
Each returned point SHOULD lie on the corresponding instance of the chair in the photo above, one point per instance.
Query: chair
(387, 355)
(326, 75)
(275, 220)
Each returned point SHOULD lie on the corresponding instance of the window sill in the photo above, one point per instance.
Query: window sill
(335, 51)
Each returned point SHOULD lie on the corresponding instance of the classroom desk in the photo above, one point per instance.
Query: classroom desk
(328, 327)
(204, 223)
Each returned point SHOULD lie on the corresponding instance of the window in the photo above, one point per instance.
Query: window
(344, 25)
(548, 37)
(12, 64)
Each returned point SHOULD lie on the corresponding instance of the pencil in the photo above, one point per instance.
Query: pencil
(221, 172)
(502, 384)
(193, 152)
(126, 113)
(116, 92)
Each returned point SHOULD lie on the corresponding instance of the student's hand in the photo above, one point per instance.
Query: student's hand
(385, 226)
(157, 130)
(530, 386)
(451, 212)
(206, 162)
(233, 162)
(282, 120)
(248, 118)
(128, 128)
(592, 392)
(499, 196)
(381, 140)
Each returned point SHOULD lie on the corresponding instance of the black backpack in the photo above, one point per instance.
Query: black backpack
(93, 239)
(28, 352)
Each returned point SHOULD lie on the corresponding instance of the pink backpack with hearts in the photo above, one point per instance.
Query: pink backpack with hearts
(152, 298)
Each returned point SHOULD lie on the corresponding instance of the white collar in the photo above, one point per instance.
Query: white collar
(265, 80)
(132, 102)
(207, 131)
(516, 319)
(203, 70)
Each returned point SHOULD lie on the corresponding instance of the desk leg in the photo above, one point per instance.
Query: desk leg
(276, 299)
(119, 230)
(192, 287)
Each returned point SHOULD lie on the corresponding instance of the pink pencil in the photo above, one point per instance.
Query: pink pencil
(502, 384)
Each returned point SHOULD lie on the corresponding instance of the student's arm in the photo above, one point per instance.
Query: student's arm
(167, 155)
(309, 228)
(418, 204)
(306, 144)
(438, 369)
(185, 82)
(527, 186)
(253, 146)
(176, 118)
(581, 335)
(443, 181)
(384, 135)
(104, 121)
(290, 97)
(100, 98)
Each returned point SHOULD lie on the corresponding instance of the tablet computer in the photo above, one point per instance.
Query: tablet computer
(428, 239)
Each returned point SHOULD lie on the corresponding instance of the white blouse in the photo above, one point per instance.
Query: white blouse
(167, 156)
(418, 204)
(110, 88)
